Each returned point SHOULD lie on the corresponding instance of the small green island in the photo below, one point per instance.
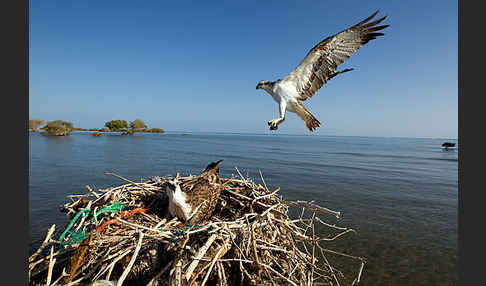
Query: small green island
(64, 128)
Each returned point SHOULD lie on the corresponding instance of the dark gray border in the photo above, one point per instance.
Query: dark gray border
(14, 83)
(471, 239)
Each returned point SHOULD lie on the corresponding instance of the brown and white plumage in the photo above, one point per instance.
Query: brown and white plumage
(317, 68)
(194, 200)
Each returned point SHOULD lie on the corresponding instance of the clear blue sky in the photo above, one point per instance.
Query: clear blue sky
(194, 65)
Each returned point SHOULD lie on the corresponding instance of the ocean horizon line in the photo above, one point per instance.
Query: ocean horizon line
(297, 134)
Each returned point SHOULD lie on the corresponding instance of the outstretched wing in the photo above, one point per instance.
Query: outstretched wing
(203, 192)
(321, 62)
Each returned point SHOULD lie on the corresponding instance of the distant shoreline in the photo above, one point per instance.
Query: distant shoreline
(64, 128)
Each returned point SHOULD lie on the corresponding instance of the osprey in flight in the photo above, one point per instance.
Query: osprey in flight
(317, 68)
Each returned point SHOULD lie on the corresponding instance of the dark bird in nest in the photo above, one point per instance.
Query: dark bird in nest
(194, 200)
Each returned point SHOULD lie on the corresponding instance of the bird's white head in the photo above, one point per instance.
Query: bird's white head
(264, 84)
(172, 186)
(174, 181)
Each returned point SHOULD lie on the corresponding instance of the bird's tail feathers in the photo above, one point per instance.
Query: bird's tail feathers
(310, 121)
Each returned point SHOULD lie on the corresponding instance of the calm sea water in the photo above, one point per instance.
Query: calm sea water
(399, 194)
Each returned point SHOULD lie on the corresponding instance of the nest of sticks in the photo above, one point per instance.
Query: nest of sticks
(251, 239)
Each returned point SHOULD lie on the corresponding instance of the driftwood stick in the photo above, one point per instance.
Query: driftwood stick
(91, 191)
(336, 236)
(275, 212)
(216, 257)
(132, 261)
(263, 180)
(330, 225)
(202, 251)
(269, 194)
(356, 281)
(63, 274)
(313, 207)
(136, 226)
(44, 243)
(220, 276)
(123, 178)
(178, 274)
(112, 264)
(107, 193)
(255, 252)
(51, 266)
(330, 268)
(127, 180)
(95, 216)
(226, 260)
(223, 274)
(270, 209)
(159, 224)
(239, 173)
(311, 280)
(278, 274)
(32, 265)
(81, 223)
(342, 254)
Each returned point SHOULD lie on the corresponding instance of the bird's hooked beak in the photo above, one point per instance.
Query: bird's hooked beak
(259, 85)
